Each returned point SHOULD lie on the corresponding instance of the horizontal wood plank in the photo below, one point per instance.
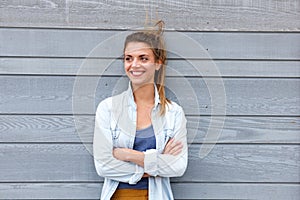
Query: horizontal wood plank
(252, 44)
(199, 191)
(109, 44)
(80, 95)
(62, 129)
(235, 191)
(75, 66)
(246, 15)
(225, 163)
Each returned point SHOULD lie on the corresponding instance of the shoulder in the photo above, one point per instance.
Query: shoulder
(174, 107)
(174, 115)
(174, 112)
(108, 103)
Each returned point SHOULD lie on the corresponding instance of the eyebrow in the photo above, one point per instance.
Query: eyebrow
(139, 55)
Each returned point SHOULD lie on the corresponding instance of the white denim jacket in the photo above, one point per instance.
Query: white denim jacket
(115, 126)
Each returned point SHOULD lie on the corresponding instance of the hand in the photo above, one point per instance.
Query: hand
(173, 147)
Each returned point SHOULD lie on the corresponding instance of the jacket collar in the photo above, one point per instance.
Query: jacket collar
(131, 98)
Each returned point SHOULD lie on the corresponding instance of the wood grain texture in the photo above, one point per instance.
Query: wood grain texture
(62, 129)
(246, 15)
(53, 95)
(225, 163)
(254, 44)
(75, 66)
(84, 191)
(109, 44)
(235, 191)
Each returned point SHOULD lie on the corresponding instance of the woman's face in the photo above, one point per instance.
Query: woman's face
(139, 64)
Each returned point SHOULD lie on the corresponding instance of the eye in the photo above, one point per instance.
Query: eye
(128, 59)
(144, 58)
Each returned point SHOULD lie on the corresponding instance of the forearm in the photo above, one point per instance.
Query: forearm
(171, 152)
(173, 161)
(110, 167)
(119, 170)
(165, 165)
(136, 157)
(106, 165)
(129, 155)
(170, 163)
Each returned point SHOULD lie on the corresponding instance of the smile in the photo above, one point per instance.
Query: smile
(136, 73)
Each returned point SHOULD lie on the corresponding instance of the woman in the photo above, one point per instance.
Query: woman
(140, 135)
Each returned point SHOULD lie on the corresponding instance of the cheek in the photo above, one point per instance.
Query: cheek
(126, 67)
(147, 65)
(151, 67)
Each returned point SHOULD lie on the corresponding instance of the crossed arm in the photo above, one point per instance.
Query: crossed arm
(172, 148)
(127, 165)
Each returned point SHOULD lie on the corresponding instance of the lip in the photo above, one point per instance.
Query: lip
(136, 73)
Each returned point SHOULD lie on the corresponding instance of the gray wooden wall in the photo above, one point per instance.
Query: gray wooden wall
(254, 44)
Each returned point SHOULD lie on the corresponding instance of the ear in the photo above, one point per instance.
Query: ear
(158, 65)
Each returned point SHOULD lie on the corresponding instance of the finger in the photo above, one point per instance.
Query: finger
(168, 146)
(169, 143)
(172, 145)
(176, 152)
(176, 148)
(175, 144)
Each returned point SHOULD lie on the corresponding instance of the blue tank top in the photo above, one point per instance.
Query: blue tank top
(144, 139)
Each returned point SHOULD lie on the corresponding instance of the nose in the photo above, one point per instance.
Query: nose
(135, 63)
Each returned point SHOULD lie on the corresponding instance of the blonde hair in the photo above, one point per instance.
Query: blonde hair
(154, 38)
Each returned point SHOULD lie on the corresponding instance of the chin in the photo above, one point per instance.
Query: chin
(136, 83)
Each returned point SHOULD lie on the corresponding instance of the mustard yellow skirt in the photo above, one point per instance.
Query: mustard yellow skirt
(130, 194)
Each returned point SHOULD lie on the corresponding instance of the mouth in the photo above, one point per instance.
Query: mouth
(136, 73)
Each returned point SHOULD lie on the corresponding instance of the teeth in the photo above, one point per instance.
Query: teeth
(136, 73)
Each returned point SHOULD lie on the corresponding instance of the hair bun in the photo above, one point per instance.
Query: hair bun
(160, 27)
(156, 29)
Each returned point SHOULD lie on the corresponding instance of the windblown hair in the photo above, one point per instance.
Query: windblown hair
(154, 38)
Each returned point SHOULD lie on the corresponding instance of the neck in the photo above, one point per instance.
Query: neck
(144, 94)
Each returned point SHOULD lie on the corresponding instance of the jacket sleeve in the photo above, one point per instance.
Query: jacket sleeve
(157, 164)
(106, 165)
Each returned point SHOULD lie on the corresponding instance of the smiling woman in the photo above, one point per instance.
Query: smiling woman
(140, 64)
(140, 136)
